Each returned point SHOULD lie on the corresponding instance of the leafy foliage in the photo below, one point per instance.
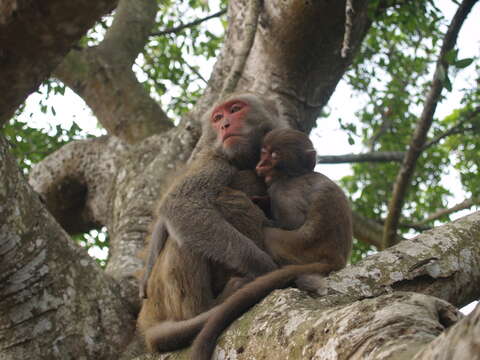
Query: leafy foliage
(392, 75)
(359, 251)
(174, 60)
(30, 145)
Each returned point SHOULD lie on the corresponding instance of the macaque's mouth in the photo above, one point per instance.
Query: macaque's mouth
(265, 174)
(268, 179)
(226, 137)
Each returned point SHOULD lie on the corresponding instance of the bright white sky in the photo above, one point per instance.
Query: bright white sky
(329, 139)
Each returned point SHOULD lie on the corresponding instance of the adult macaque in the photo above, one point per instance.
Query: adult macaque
(208, 244)
(314, 229)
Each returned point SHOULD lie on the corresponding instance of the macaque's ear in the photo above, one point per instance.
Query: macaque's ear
(311, 156)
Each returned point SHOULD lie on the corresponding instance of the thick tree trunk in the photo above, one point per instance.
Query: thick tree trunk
(55, 301)
(34, 38)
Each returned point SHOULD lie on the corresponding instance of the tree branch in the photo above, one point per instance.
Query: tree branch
(367, 230)
(458, 342)
(387, 156)
(103, 76)
(54, 299)
(195, 71)
(129, 32)
(250, 29)
(30, 31)
(465, 204)
(349, 11)
(381, 156)
(179, 28)
(456, 129)
(423, 125)
(429, 264)
(74, 182)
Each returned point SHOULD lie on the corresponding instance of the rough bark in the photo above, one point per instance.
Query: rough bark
(442, 262)
(107, 182)
(76, 183)
(292, 325)
(55, 301)
(34, 38)
(462, 341)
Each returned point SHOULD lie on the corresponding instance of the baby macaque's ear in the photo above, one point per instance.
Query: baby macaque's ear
(311, 156)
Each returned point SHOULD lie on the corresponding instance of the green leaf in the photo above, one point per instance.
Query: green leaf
(461, 64)
(451, 56)
(448, 84)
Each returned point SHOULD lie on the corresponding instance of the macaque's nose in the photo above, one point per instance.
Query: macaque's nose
(225, 124)
(260, 167)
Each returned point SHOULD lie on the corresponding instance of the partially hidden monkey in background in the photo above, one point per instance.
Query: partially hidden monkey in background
(208, 232)
(313, 236)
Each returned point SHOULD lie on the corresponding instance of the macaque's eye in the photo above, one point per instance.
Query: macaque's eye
(236, 107)
(274, 155)
(217, 117)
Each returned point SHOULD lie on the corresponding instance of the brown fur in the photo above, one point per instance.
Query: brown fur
(316, 234)
(214, 232)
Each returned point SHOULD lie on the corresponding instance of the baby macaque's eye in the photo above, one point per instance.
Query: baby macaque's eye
(235, 108)
(274, 155)
(217, 117)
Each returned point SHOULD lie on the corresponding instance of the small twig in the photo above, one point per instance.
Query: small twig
(196, 72)
(387, 123)
(465, 204)
(416, 227)
(244, 47)
(422, 225)
(179, 28)
(381, 156)
(348, 28)
(456, 129)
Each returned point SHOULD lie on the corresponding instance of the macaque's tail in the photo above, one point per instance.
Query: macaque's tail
(174, 335)
(243, 299)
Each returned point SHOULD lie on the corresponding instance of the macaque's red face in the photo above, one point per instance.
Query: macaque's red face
(269, 159)
(229, 122)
